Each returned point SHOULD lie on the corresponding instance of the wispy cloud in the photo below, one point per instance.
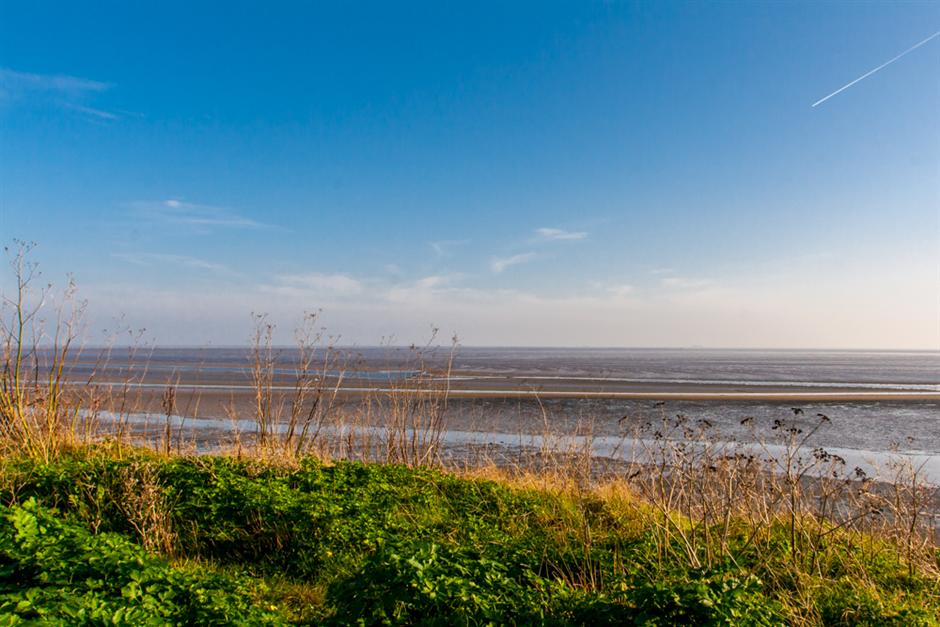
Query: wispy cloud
(67, 92)
(160, 259)
(616, 290)
(195, 215)
(338, 288)
(880, 67)
(499, 264)
(18, 82)
(420, 290)
(550, 234)
(335, 283)
(432, 281)
(101, 114)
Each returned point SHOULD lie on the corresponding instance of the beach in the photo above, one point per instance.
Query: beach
(877, 403)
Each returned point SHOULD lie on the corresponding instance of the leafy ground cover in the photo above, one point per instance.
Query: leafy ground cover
(57, 572)
(101, 537)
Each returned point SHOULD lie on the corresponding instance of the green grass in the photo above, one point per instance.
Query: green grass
(231, 542)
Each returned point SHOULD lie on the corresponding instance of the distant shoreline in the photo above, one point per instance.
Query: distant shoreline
(511, 393)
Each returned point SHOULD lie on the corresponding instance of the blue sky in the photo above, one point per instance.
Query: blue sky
(608, 174)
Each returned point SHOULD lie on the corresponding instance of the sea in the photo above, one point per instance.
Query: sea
(904, 418)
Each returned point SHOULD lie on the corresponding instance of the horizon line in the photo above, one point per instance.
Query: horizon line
(691, 347)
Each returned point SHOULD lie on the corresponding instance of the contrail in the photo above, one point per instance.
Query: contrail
(869, 73)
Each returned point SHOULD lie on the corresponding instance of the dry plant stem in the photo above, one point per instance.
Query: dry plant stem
(169, 410)
(35, 408)
(142, 501)
(416, 410)
(262, 375)
(312, 417)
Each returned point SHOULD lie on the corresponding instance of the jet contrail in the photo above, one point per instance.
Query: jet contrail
(869, 73)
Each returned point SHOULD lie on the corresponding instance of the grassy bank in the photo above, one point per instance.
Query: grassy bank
(102, 535)
(319, 519)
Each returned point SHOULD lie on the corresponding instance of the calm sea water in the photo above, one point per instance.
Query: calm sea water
(911, 370)
(886, 369)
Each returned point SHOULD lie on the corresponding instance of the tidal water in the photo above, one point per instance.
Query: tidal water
(911, 425)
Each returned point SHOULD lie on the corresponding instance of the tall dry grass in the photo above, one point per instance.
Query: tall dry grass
(291, 422)
(38, 414)
(708, 493)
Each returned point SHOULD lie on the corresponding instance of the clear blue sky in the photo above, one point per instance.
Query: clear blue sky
(519, 173)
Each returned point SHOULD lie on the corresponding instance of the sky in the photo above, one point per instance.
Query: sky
(562, 174)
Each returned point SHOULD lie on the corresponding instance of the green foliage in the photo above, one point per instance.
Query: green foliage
(385, 544)
(717, 599)
(58, 573)
(428, 584)
(846, 603)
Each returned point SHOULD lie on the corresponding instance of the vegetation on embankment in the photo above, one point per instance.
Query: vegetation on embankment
(102, 535)
(697, 530)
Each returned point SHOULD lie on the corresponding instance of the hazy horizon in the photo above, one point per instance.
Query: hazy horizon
(598, 175)
(443, 343)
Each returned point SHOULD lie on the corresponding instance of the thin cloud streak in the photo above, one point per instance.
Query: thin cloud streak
(621, 291)
(338, 283)
(65, 92)
(617, 290)
(550, 234)
(870, 72)
(96, 113)
(156, 259)
(195, 215)
(19, 82)
(501, 263)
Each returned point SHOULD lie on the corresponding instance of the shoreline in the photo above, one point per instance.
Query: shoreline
(463, 443)
(790, 394)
